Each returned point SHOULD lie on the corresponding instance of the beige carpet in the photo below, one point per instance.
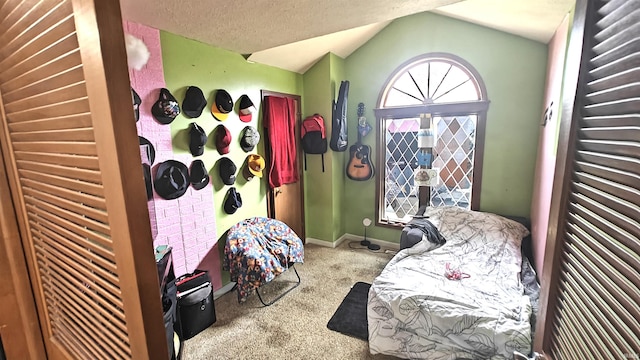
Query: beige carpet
(295, 327)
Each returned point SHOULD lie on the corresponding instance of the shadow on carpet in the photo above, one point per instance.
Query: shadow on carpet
(351, 316)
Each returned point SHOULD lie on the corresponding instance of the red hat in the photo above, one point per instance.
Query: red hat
(222, 139)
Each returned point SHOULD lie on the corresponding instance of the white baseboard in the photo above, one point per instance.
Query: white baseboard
(319, 242)
(382, 243)
(352, 237)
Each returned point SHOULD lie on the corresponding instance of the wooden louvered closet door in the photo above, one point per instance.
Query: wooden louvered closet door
(592, 305)
(70, 148)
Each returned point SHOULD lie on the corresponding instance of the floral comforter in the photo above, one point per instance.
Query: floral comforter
(257, 250)
(415, 311)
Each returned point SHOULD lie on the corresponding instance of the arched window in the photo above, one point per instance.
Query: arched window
(439, 95)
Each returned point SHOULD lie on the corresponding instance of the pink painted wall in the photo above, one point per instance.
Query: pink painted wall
(547, 145)
(187, 224)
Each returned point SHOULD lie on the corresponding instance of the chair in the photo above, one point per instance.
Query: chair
(257, 250)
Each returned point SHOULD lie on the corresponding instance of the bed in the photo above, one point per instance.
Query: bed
(460, 300)
(257, 250)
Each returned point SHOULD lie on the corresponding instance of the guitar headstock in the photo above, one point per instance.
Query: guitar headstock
(360, 109)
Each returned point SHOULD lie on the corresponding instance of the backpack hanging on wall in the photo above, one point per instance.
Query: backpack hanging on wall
(339, 140)
(314, 138)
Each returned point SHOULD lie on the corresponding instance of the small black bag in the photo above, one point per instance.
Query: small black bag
(195, 303)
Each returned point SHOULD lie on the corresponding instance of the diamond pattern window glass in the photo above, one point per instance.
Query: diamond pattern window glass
(454, 152)
(452, 93)
(401, 200)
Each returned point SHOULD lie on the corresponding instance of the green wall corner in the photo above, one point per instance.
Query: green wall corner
(318, 184)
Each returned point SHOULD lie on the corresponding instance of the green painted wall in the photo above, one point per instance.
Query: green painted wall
(337, 74)
(513, 69)
(318, 90)
(188, 62)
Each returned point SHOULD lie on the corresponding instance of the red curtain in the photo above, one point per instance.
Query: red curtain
(280, 123)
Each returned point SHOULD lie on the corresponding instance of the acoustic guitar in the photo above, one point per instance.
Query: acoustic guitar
(360, 167)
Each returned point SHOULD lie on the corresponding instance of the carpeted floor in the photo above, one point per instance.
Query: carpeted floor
(295, 327)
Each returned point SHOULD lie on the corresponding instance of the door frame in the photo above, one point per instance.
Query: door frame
(271, 194)
(19, 329)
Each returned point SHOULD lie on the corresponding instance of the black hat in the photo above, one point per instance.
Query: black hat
(136, 103)
(151, 151)
(227, 171)
(171, 180)
(166, 108)
(146, 171)
(198, 175)
(246, 108)
(222, 105)
(194, 102)
(233, 201)
(197, 139)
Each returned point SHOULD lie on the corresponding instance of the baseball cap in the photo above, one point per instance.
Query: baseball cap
(233, 201)
(222, 105)
(194, 102)
(250, 138)
(255, 164)
(171, 180)
(246, 108)
(198, 175)
(197, 139)
(227, 171)
(222, 138)
(136, 103)
(166, 108)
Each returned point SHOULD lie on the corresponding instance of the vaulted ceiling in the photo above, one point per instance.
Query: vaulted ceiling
(293, 34)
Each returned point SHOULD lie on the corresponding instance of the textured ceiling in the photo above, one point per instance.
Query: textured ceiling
(293, 34)
(249, 26)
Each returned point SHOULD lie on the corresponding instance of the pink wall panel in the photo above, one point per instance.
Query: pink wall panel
(187, 224)
(547, 144)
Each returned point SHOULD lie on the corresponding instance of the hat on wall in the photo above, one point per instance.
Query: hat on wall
(166, 108)
(233, 201)
(151, 151)
(194, 102)
(255, 164)
(222, 139)
(197, 139)
(246, 108)
(222, 105)
(227, 171)
(198, 175)
(136, 103)
(250, 138)
(171, 180)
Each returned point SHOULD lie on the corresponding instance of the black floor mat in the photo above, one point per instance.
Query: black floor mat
(351, 316)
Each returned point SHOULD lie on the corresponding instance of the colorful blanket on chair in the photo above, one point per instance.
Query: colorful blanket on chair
(257, 250)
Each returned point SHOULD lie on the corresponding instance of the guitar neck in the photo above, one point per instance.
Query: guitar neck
(360, 116)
